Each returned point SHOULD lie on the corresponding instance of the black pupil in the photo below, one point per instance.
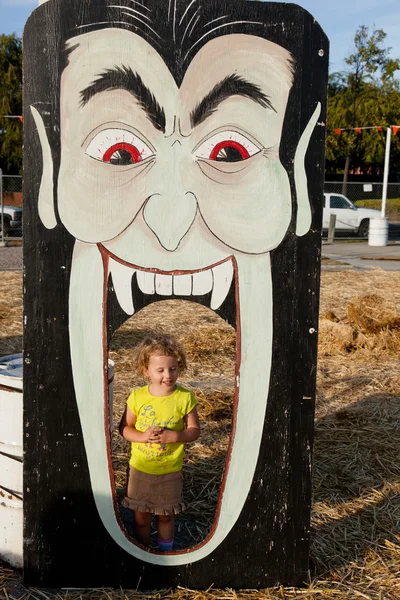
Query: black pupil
(121, 157)
(229, 154)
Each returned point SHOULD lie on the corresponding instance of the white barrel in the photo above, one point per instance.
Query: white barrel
(11, 429)
(11, 468)
(11, 473)
(11, 524)
(11, 423)
(378, 232)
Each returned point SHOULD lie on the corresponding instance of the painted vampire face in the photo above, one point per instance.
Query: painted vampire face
(142, 157)
(177, 191)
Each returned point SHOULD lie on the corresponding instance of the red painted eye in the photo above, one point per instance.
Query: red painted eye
(229, 151)
(227, 146)
(122, 153)
(119, 147)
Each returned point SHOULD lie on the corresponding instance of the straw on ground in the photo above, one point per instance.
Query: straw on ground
(355, 550)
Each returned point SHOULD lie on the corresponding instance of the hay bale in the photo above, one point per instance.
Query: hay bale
(335, 338)
(210, 342)
(372, 313)
(330, 316)
(386, 341)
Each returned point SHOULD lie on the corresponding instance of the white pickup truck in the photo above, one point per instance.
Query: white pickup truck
(348, 217)
(12, 221)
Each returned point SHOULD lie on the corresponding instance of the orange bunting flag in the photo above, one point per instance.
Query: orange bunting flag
(358, 129)
(338, 131)
(11, 117)
(395, 129)
(379, 128)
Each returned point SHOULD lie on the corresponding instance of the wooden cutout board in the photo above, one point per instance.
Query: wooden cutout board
(226, 104)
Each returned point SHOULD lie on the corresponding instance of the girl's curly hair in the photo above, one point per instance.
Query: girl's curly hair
(159, 345)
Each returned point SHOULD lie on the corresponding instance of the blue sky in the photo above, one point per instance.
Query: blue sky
(339, 19)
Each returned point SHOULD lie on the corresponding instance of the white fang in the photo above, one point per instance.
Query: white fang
(122, 281)
(222, 282)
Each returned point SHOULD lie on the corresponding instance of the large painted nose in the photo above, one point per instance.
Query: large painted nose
(170, 214)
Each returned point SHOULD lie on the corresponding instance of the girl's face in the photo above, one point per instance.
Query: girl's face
(163, 373)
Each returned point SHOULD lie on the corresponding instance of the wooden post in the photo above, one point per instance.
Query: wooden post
(184, 140)
(331, 230)
(2, 208)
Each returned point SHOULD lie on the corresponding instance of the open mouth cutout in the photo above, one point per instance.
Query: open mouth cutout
(210, 345)
(178, 303)
(104, 292)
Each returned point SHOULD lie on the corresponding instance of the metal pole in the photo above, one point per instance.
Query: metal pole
(386, 171)
(2, 207)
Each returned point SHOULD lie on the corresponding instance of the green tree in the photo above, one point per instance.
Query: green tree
(367, 94)
(10, 103)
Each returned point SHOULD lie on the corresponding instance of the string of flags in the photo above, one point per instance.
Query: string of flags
(11, 117)
(338, 131)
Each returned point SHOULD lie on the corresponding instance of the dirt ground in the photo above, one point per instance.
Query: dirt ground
(355, 551)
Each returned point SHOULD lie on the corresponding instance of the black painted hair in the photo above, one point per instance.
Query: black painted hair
(177, 29)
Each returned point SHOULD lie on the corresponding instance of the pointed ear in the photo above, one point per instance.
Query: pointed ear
(300, 177)
(46, 193)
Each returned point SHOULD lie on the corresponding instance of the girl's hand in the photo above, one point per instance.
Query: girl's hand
(168, 437)
(152, 434)
(190, 434)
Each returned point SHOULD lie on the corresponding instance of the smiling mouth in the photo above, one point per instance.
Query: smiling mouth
(98, 279)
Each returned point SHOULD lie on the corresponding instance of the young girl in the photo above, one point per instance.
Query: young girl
(159, 419)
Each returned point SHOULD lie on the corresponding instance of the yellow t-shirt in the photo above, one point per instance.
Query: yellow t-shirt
(159, 411)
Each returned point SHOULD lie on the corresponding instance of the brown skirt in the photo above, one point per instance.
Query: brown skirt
(157, 494)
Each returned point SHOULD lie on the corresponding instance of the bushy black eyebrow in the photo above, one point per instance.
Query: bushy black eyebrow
(232, 85)
(125, 79)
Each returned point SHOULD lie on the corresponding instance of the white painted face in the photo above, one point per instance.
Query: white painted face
(183, 187)
(245, 204)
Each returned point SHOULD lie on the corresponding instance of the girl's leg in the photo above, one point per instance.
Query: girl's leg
(142, 527)
(165, 531)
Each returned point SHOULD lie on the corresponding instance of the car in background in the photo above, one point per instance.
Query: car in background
(12, 219)
(349, 218)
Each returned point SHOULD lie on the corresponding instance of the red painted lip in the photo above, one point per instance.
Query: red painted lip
(106, 255)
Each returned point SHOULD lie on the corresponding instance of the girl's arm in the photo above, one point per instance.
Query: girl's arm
(190, 434)
(128, 431)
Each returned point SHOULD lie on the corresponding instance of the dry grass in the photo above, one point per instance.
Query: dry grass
(10, 312)
(356, 511)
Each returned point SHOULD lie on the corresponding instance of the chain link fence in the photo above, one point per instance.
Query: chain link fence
(352, 218)
(349, 223)
(359, 191)
(10, 207)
